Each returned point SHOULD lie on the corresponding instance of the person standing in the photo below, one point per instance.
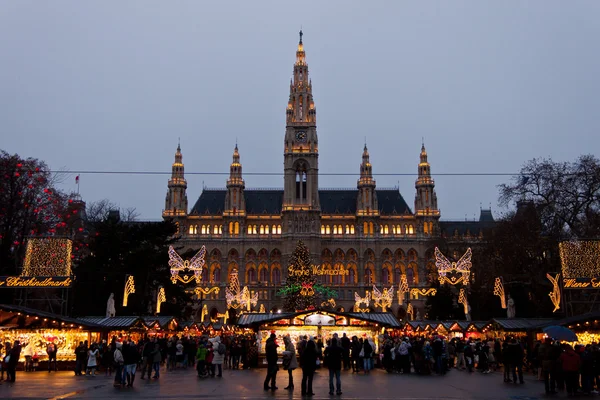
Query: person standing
(301, 346)
(346, 347)
(51, 350)
(80, 358)
(571, 362)
(201, 359)
(355, 351)
(119, 362)
(11, 365)
(515, 358)
(92, 361)
(403, 351)
(147, 358)
(309, 365)
(132, 357)
(219, 350)
(334, 354)
(271, 355)
(367, 355)
(290, 363)
(545, 356)
(156, 360)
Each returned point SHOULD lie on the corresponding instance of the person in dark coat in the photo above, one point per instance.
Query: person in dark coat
(334, 355)
(515, 360)
(346, 346)
(355, 351)
(11, 365)
(271, 355)
(309, 365)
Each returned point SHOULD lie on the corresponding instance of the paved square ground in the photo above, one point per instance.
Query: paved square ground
(183, 384)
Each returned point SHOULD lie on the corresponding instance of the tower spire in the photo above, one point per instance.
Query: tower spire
(176, 200)
(426, 207)
(367, 197)
(235, 204)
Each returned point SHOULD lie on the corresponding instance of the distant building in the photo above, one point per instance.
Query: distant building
(371, 231)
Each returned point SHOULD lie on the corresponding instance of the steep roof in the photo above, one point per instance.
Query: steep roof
(269, 201)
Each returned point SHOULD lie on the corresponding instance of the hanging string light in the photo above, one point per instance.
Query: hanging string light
(129, 289)
(499, 291)
(580, 259)
(410, 311)
(160, 298)
(555, 293)
(462, 299)
(204, 313)
(48, 257)
(262, 309)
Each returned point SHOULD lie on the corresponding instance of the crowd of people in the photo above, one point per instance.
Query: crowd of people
(559, 365)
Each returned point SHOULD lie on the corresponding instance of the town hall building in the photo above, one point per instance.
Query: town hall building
(373, 233)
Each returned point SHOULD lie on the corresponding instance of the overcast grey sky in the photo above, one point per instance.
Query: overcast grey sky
(111, 85)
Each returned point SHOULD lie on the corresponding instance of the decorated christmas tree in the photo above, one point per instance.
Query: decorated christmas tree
(301, 291)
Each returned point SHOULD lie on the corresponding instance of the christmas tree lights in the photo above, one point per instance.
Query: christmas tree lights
(580, 259)
(160, 298)
(402, 288)
(192, 268)
(384, 298)
(129, 289)
(499, 291)
(555, 293)
(299, 290)
(48, 257)
(445, 266)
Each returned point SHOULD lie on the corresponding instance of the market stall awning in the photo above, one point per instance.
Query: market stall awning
(116, 323)
(12, 316)
(163, 322)
(379, 318)
(520, 324)
(576, 322)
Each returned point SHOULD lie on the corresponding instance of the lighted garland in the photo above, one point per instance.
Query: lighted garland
(555, 293)
(425, 292)
(129, 289)
(296, 288)
(48, 257)
(499, 291)
(580, 259)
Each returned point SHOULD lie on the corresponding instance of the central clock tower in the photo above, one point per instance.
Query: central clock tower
(301, 153)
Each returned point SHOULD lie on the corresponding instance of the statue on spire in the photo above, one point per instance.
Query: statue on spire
(301, 36)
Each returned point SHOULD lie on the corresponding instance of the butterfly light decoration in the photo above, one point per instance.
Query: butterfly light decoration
(361, 300)
(384, 298)
(445, 266)
(192, 268)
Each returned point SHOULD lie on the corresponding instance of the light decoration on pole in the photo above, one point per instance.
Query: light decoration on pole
(462, 267)
(358, 301)
(499, 291)
(160, 298)
(129, 289)
(237, 298)
(402, 288)
(410, 311)
(247, 300)
(192, 268)
(262, 309)
(384, 298)
(204, 313)
(462, 299)
(555, 293)
(48, 257)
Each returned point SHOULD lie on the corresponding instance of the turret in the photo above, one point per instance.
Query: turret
(235, 204)
(426, 208)
(176, 199)
(367, 197)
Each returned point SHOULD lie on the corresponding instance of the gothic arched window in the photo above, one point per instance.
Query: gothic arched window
(410, 276)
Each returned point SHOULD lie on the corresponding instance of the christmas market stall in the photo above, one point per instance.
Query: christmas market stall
(321, 325)
(586, 326)
(517, 327)
(476, 330)
(36, 330)
(121, 328)
(161, 326)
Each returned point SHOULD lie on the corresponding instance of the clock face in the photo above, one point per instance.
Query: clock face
(301, 137)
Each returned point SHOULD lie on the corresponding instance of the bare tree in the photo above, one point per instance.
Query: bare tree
(566, 195)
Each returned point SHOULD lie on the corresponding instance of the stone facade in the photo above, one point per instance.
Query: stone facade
(370, 231)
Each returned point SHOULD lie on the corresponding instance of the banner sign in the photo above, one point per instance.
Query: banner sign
(319, 270)
(581, 283)
(35, 282)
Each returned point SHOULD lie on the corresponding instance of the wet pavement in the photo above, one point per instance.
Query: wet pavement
(183, 384)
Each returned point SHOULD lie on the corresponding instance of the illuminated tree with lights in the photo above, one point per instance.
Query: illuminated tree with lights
(301, 291)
